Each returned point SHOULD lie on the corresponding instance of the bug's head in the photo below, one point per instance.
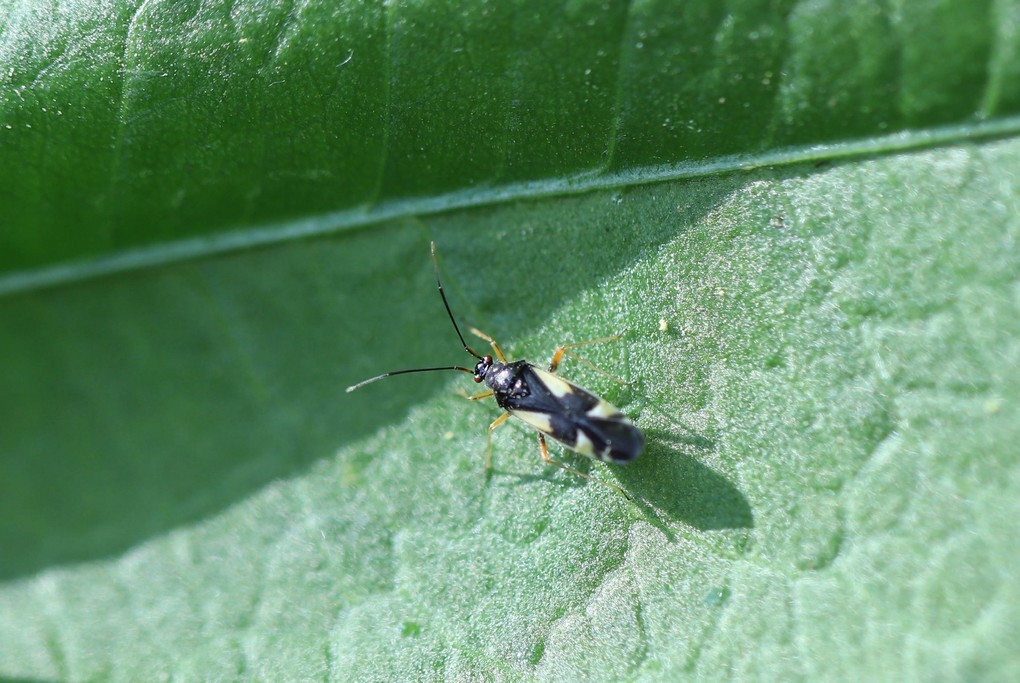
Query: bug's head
(482, 368)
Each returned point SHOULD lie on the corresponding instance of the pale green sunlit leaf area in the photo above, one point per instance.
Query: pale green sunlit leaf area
(802, 217)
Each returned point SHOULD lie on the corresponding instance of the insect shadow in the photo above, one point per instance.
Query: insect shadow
(668, 484)
(670, 481)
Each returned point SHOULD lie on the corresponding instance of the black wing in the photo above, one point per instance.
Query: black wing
(575, 417)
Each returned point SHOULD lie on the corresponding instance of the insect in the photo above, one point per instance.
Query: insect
(575, 417)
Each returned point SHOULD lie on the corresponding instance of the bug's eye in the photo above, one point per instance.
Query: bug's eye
(478, 380)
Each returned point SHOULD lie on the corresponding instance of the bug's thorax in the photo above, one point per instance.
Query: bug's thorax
(505, 379)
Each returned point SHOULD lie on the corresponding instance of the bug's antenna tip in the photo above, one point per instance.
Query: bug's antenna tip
(361, 384)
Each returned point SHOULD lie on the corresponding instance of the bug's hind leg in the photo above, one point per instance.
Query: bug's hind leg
(565, 351)
(544, 451)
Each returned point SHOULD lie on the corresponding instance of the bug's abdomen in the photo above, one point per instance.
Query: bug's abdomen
(611, 440)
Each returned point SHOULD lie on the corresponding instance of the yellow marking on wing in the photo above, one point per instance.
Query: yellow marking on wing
(560, 387)
(557, 386)
(607, 411)
(539, 421)
(584, 446)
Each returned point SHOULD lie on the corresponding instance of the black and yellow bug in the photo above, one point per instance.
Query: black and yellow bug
(575, 417)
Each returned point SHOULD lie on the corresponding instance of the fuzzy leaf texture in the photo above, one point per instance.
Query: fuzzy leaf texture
(215, 216)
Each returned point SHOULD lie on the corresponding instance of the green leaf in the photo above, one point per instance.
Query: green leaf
(822, 356)
(137, 133)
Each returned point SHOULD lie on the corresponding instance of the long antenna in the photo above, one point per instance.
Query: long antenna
(404, 372)
(435, 265)
(439, 284)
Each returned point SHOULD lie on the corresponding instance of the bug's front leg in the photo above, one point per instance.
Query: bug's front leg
(488, 451)
(495, 347)
(475, 397)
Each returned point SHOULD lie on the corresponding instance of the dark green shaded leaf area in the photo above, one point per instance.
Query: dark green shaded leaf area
(821, 346)
(130, 123)
(824, 362)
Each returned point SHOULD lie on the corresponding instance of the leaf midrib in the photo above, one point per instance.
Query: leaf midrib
(141, 258)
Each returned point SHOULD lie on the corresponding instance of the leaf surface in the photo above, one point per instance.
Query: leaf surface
(822, 355)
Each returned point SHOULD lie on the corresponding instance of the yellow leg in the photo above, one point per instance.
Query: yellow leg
(495, 347)
(563, 351)
(475, 397)
(488, 451)
(544, 451)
